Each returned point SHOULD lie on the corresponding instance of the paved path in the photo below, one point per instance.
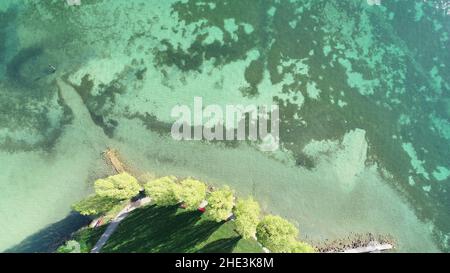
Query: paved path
(116, 221)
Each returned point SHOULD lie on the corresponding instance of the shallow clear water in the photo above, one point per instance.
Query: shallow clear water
(363, 93)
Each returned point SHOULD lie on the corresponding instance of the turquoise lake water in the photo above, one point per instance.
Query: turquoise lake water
(363, 90)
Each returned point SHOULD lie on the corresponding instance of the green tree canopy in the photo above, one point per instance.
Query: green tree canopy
(71, 246)
(301, 247)
(162, 191)
(121, 186)
(276, 233)
(191, 192)
(220, 204)
(247, 212)
(94, 205)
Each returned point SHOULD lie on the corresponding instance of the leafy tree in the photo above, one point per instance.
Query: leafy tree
(94, 205)
(121, 186)
(162, 191)
(247, 212)
(276, 233)
(301, 247)
(220, 204)
(71, 246)
(191, 192)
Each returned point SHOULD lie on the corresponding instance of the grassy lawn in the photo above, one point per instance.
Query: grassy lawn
(169, 229)
(88, 237)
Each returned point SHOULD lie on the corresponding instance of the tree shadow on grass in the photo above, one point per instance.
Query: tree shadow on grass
(226, 245)
(160, 229)
(52, 236)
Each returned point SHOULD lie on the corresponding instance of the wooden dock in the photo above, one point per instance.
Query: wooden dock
(112, 159)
